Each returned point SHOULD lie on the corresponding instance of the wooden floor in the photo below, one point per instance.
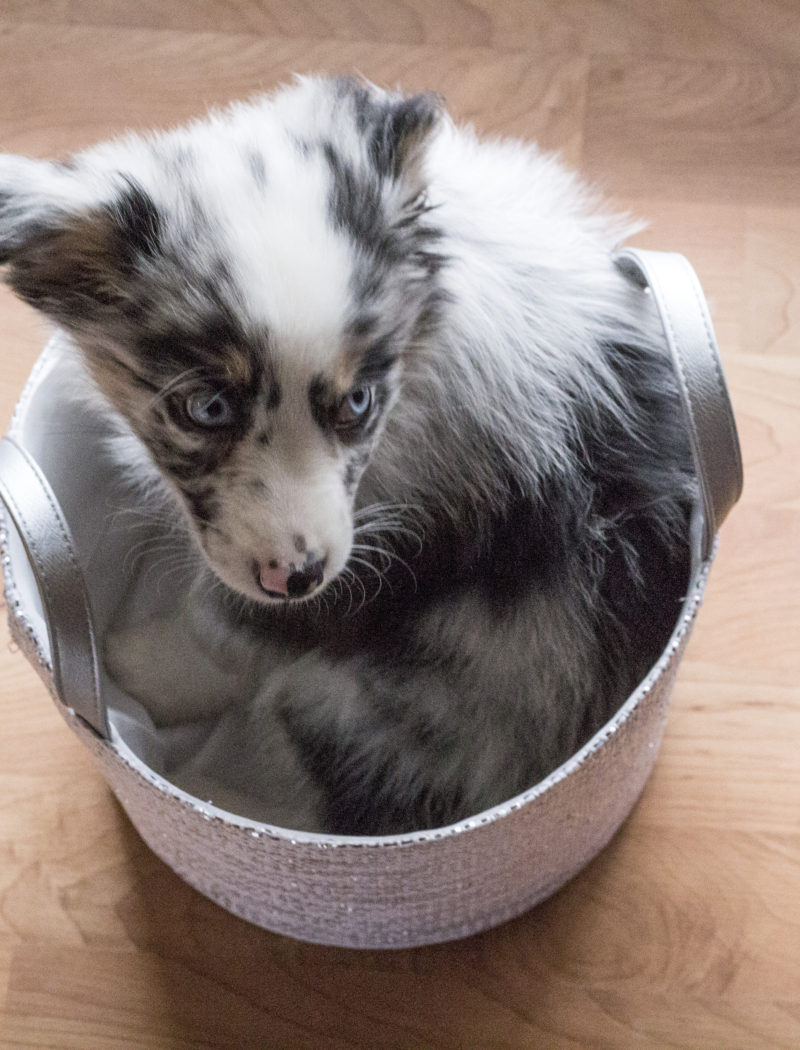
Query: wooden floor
(686, 931)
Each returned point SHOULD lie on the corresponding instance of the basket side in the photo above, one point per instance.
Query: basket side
(399, 893)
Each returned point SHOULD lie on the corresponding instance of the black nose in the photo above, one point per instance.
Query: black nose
(301, 581)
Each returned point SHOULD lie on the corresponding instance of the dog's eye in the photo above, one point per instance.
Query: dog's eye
(354, 408)
(209, 408)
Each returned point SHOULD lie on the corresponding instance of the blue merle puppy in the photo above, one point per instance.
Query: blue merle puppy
(419, 430)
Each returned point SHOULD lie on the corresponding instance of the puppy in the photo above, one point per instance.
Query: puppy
(421, 433)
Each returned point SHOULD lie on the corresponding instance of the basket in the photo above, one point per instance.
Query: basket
(61, 552)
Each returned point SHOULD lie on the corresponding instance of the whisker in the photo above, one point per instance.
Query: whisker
(392, 556)
(356, 579)
(146, 547)
(390, 519)
(385, 556)
(174, 384)
(168, 566)
(380, 577)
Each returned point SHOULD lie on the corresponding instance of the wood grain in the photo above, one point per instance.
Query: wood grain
(712, 130)
(729, 29)
(685, 932)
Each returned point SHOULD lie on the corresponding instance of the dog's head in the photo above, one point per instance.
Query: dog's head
(244, 292)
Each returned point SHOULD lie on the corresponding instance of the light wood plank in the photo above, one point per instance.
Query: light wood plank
(732, 30)
(772, 265)
(65, 110)
(695, 130)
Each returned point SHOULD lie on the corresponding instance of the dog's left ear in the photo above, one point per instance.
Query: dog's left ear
(402, 134)
(397, 129)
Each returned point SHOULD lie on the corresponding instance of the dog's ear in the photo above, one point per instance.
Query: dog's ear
(397, 129)
(402, 133)
(68, 240)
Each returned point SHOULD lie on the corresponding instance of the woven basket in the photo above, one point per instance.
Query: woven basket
(60, 556)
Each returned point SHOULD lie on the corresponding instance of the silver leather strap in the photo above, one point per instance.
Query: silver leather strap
(689, 333)
(34, 509)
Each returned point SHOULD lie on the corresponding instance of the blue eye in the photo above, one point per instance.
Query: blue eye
(354, 408)
(209, 408)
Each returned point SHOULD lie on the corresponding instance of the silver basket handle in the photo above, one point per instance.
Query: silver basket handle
(687, 326)
(40, 522)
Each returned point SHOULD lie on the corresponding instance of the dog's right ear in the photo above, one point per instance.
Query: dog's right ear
(61, 229)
